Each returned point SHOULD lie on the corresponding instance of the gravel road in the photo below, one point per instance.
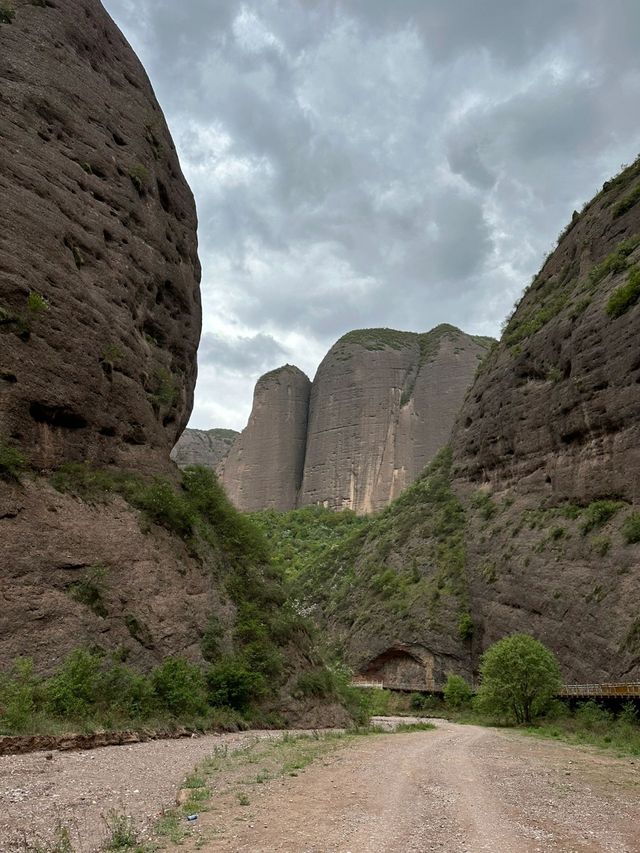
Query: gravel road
(460, 789)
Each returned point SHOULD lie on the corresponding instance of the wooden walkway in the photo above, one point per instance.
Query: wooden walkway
(606, 690)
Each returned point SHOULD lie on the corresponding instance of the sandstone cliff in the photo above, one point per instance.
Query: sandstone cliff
(382, 405)
(203, 447)
(531, 523)
(99, 324)
(263, 469)
(100, 303)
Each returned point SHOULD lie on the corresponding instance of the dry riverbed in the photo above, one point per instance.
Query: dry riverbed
(462, 789)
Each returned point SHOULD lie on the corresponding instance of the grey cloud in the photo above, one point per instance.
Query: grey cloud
(244, 355)
(366, 163)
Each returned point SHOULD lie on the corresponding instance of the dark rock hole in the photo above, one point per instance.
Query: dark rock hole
(56, 416)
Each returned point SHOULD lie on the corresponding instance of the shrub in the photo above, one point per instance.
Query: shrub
(180, 687)
(631, 528)
(36, 303)
(122, 833)
(18, 695)
(139, 175)
(163, 505)
(465, 627)
(126, 693)
(164, 392)
(457, 693)
(625, 296)
(7, 12)
(598, 513)
(519, 678)
(627, 202)
(230, 682)
(72, 692)
(210, 642)
(12, 463)
(90, 589)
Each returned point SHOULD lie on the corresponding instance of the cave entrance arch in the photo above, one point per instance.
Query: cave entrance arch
(401, 667)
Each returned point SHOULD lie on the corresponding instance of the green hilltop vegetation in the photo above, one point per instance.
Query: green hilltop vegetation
(428, 342)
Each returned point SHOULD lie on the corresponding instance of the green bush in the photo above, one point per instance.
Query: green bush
(139, 175)
(520, 677)
(627, 202)
(465, 627)
(36, 303)
(631, 528)
(457, 693)
(164, 505)
(7, 12)
(90, 589)
(598, 513)
(231, 683)
(73, 691)
(19, 690)
(625, 296)
(12, 463)
(180, 687)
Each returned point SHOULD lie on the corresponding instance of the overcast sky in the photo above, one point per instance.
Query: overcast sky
(396, 163)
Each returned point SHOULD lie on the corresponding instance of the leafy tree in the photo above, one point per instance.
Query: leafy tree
(519, 678)
(457, 692)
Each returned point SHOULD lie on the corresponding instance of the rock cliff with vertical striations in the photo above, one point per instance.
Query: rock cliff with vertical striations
(382, 404)
(100, 299)
(264, 467)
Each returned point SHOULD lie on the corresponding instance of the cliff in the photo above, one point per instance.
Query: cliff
(203, 447)
(263, 469)
(105, 545)
(530, 522)
(100, 301)
(382, 405)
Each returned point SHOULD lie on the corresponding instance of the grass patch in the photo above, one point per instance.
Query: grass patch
(599, 513)
(631, 528)
(627, 202)
(90, 589)
(12, 463)
(625, 296)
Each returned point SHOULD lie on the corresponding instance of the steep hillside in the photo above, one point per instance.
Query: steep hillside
(263, 469)
(382, 405)
(208, 447)
(530, 522)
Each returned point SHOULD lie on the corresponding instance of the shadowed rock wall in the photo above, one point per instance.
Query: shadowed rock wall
(99, 295)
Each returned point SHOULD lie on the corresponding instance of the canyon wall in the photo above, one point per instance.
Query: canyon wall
(206, 447)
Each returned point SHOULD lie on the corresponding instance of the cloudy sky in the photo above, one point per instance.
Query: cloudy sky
(394, 163)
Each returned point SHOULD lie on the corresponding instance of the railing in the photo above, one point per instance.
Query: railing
(604, 690)
(608, 689)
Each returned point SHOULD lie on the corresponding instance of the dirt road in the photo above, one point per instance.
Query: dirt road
(460, 789)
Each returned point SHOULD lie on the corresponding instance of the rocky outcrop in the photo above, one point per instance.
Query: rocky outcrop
(203, 447)
(382, 405)
(530, 522)
(100, 302)
(263, 469)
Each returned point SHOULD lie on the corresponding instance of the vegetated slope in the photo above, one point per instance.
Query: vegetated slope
(99, 324)
(206, 447)
(380, 407)
(530, 522)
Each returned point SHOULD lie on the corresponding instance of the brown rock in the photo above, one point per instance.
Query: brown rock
(263, 469)
(382, 404)
(99, 299)
(203, 447)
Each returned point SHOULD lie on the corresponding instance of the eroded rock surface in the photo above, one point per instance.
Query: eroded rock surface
(99, 299)
(264, 467)
(382, 405)
(208, 447)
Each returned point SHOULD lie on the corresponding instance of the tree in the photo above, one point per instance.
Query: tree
(457, 692)
(519, 678)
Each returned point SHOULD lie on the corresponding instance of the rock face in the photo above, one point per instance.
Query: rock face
(263, 469)
(382, 405)
(203, 447)
(530, 522)
(99, 300)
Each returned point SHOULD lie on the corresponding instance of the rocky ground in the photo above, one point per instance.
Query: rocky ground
(460, 789)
